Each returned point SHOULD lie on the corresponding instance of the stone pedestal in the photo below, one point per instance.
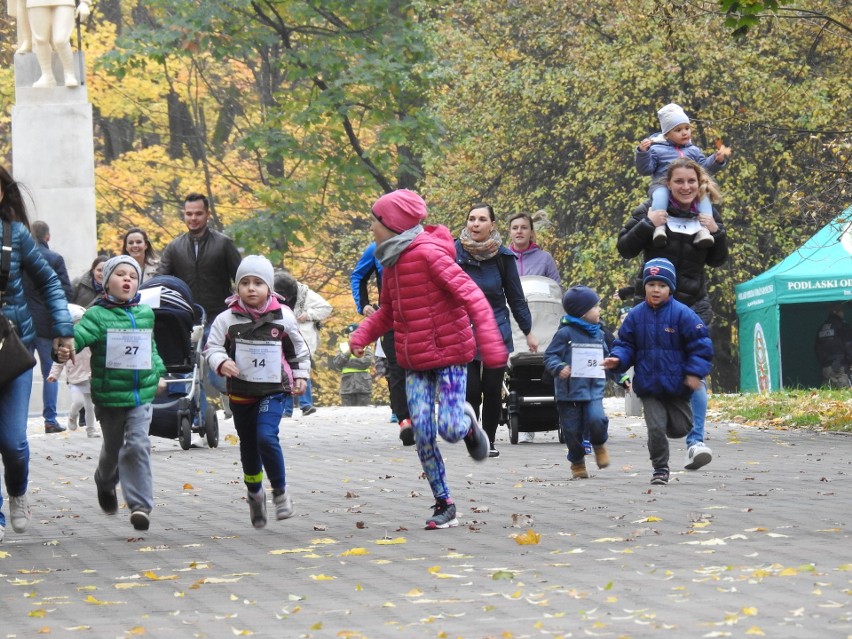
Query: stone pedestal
(53, 157)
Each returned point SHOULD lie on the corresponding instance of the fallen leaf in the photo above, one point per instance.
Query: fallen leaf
(188, 487)
(39, 613)
(323, 577)
(530, 537)
(355, 552)
(391, 542)
(502, 574)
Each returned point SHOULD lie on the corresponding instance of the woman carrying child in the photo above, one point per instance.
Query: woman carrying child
(256, 345)
(430, 303)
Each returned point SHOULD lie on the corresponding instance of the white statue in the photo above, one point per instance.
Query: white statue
(43, 24)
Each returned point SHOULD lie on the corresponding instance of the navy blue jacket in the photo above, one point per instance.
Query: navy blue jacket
(26, 258)
(499, 288)
(663, 345)
(558, 356)
(38, 311)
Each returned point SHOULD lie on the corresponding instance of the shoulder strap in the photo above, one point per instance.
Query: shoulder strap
(6, 257)
(501, 266)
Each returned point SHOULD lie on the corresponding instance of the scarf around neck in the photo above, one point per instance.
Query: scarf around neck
(388, 252)
(481, 251)
(593, 330)
(273, 303)
(108, 301)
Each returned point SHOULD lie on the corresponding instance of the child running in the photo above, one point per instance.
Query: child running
(430, 303)
(78, 375)
(126, 371)
(574, 359)
(668, 345)
(256, 345)
(653, 156)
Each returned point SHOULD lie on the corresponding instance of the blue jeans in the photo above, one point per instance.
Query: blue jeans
(305, 401)
(50, 390)
(257, 427)
(574, 418)
(14, 448)
(699, 415)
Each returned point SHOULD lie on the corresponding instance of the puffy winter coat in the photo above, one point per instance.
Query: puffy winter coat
(429, 301)
(501, 284)
(118, 387)
(27, 258)
(558, 356)
(38, 311)
(663, 345)
(689, 261)
(656, 160)
(83, 290)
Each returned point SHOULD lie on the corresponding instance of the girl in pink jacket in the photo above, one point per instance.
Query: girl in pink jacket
(431, 303)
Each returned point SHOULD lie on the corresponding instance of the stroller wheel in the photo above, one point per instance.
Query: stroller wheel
(185, 434)
(211, 427)
(514, 427)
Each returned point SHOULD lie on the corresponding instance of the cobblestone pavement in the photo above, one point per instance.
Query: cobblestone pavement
(755, 544)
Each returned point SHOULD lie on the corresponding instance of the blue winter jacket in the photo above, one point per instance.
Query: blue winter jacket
(38, 311)
(27, 258)
(558, 356)
(499, 288)
(360, 277)
(655, 161)
(663, 345)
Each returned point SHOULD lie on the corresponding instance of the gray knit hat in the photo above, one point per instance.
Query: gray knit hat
(258, 266)
(112, 263)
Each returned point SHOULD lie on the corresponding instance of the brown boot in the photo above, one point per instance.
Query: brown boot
(578, 471)
(601, 456)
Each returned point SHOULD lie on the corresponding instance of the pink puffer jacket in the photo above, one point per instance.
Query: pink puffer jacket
(430, 303)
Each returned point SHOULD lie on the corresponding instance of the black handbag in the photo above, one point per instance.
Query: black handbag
(15, 358)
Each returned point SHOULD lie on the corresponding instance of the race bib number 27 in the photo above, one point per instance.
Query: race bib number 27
(129, 349)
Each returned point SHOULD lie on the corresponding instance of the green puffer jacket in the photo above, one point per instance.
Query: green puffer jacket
(117, 387)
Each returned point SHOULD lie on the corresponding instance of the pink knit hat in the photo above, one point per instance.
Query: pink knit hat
(400, 210)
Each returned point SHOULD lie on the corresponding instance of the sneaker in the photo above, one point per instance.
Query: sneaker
(587, 446)
(443, 516)
(698, 455)
(393, 419)
(257, 508)
(661, 476)
(601, 456)
(476, 440)
(283, 505)
(703, 239)
(310, 410)
(493, 452)
(526, 438)
(287, 415)
(107, 499)
(92, 433)
(660, 238)
(19, 513)
(578, 471)
(406, 432)
(53, 428)
(140, 520)
(72, 422)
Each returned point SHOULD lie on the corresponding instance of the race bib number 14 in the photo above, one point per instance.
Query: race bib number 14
(258, 362)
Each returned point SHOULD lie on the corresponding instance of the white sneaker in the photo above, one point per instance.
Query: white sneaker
(283, 505)
(2, 532)
(19, 511)
(257, 508)
(526, 438)
(698, 455)
(72, 422)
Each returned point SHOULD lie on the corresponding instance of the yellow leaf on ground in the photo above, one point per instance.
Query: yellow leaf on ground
(241, 633)
(750, 611)
(155, 577)
(391, 542)
(90, 599)
(322, 577)
(285, 551)
(414, 592)
(188, 487)
(127, 585)
(39, 613)
(231, 439)
(755, 630)
(354, 552)
(528, 538)
(136, 631)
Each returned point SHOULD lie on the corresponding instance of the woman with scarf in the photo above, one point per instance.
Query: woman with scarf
(480, 253)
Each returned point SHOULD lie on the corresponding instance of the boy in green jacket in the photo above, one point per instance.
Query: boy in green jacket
(126, 371)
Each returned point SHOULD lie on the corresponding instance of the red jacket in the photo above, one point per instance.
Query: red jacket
(430, 303)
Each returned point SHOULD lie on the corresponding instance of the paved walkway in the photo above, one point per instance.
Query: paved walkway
(756, 544)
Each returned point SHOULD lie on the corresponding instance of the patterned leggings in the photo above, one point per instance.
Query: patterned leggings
(448, 386)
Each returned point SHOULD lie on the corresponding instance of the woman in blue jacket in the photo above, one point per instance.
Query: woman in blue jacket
(15, 396)
(480, 253)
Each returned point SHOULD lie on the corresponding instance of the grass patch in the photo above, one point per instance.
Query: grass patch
(812, 409)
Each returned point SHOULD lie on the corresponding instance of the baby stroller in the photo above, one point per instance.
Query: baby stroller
(178, 332)
(529, 402)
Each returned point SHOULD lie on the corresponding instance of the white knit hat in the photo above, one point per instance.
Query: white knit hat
(670, 116)
(258, 266)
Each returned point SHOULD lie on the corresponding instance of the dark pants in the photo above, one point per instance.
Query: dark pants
(396, 378)
(485, 387)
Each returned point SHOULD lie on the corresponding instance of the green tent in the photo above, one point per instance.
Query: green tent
(781, 310)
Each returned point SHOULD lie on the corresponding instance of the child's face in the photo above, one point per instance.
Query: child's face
(122, 283)
(593, 315)
(253, 291)
(380, 232)
(680, 135)
(656, 292)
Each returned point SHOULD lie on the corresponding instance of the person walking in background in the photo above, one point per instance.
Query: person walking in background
(78, 375)
(89, 286)
(21, 255)
(256, 345)
(430, 303)
(686, 180)
(480, 254)
(356, 379)
(669, 347)
(833, 348)
(137, 245)
(359, 280)
(43, 344)
(310, 309)
(126, 372)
